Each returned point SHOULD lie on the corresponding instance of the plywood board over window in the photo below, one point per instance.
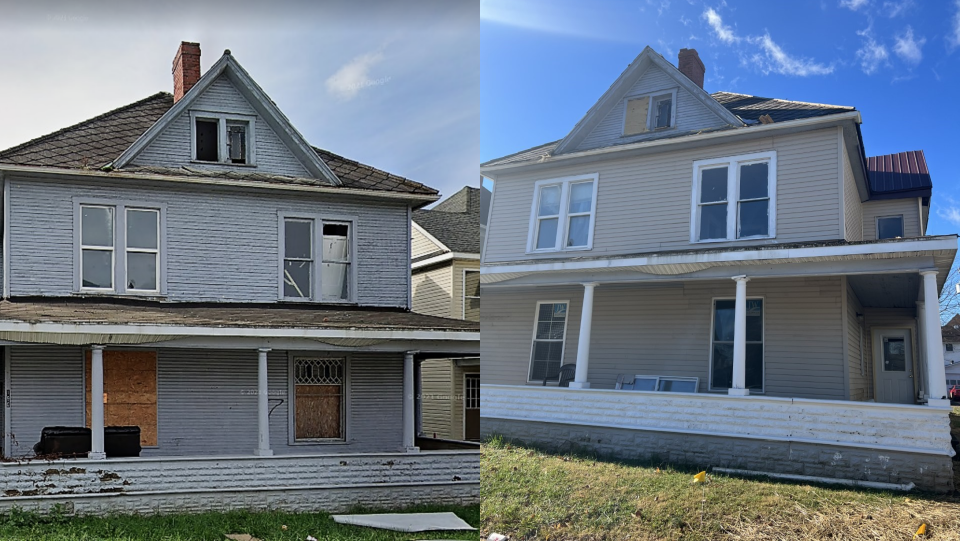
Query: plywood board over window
(318, 394)
(129, 391)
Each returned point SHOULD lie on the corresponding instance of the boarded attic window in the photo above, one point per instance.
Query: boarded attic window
(207, 146)
(636, 121)
(237, 141)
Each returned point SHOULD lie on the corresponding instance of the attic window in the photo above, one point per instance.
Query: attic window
(890, 227)
(237, 141)
(649, 112)
(223, 138)
(663, 111)
(207, 144)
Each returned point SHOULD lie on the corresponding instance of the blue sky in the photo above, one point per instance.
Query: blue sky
(395, 85)
(544, 64)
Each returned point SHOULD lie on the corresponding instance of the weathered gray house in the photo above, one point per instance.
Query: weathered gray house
(719, 279)
(446, 282)
(240, 296)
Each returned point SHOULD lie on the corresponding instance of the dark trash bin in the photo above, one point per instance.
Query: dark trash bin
(63, 441)
(119, 441)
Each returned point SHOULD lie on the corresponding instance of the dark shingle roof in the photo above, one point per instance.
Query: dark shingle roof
(750, 107)
(951, 331)
(98, 141)
(899, 173)
(458, 231)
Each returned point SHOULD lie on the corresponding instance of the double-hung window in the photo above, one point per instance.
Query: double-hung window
(721, 346)
(734, 198)
(317, 259)
(97, 253)
(119, 248)
(563, 214)
(548, 337)
(143, 249)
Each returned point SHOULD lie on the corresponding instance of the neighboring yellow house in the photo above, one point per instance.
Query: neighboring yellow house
(446, 282)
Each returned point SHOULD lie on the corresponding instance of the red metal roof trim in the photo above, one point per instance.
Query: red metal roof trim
(897, 172)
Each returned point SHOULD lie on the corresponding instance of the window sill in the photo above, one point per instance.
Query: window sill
(724, 391)
(202, 162)
(582, 249)
(299, 443)
(115, 295)
(714, 241)
(652, 130)
(316, 301)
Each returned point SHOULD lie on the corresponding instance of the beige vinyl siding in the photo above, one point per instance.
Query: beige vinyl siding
(421, 245)
(437, 391)
(888, 318)
(691, 114)
(432, 291)
(909, 208)
(643, 203)
(665, 330)
(457, 406)
(858, 362)
(853, 208)
(459, 265)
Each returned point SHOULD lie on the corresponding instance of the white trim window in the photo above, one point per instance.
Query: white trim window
(890, 227)
(119, 248)
(142, 250)
(471, 295)
(222, 138)
(563, 214)
(97, 242)
(734, 198)
(319, 405)
(304, 250)
(336, 263)
(653, 111)
(298, 258)
(721, 344)
(549, 336)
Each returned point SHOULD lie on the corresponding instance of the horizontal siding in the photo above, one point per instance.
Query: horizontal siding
(172, 148)
(691, 114)
(665, 330)
(643, 203)
(458, 267)
(421, 245)
(221, 244)
(853, 208)
(858, 362)
(437, 392)
(909, 208)
(433, 291)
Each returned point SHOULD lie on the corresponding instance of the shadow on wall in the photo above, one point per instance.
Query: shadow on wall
(431, 297)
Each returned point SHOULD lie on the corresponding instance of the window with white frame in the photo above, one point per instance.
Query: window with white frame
(890, 227)
(134, 265)
(318, 398)
(471, 295)
(300, 278)
(734, 198)
(548, 337)
(649, 112)
(563, 214)
(721, 345)
(223, 138)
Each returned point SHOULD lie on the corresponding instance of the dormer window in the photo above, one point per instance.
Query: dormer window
(223, 138)
(650, 112)
(664, 112)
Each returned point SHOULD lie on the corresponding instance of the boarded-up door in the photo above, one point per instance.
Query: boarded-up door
(471, 407)
(129, 391)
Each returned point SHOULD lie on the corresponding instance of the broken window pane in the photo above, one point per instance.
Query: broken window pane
(336, 242)
(334, 281)
(207, 146)
(97, 268)
(237, 141)
(296, 278)
(142, 229)
(335, 270)
(97, 226)
(142, 271)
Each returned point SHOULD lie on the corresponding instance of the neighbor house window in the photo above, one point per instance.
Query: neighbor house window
(734, 198)
(223, 138)
(649, 112)
(890, 227)
(133, 265)
(949, 347)
(304, 250)
(471, 295)
(548, 338)
(563, 214)
(721, 358)
(318, 398)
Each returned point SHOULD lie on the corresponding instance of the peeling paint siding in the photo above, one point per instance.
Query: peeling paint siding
(172, 148)
(853, 208)
(691, 114)
(433, 291)
(909, 208)
(643, 203)
(665, 330)
(421, 245)
(861, 380)
(221, 244)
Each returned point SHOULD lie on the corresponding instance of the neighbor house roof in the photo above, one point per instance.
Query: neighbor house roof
(951, 331)
(95, 143)
(455, 221)
(900, 174)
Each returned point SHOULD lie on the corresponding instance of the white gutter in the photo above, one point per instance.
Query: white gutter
(761, 129)
(812, 479)
(445, 257)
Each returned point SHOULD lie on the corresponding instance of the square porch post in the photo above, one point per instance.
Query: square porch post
(933, 341)
(583, 344)
(409, 424)
(738, 386)
(263, 405)
(96, 404)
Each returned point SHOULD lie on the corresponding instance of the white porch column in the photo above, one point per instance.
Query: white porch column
(263, 405)
(739, 385)
(409, 424)
(583, 344)
(96, 403)
(923, 378)
(932, 339)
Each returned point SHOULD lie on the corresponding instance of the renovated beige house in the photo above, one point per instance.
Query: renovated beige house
(718, 279)
(445, 269)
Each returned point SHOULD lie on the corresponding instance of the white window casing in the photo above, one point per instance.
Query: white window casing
(558, 211)
(224, 121)
(736, 199)
(549, 336)
(326, 267)
(650, 119)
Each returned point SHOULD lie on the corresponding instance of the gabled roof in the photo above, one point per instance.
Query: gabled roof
(951, 331)
(750, 107)
(904, 174)
(455, 222)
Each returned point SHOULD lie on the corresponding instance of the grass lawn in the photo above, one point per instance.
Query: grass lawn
(528, 494)
(213, 526)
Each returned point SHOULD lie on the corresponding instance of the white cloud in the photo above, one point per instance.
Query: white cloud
(895, 9)
(908, 48)
(775, 59)
(853, 5)
(685, 21)
(950, 213)
(953, 40)
(871, 54)
(354, 76)
(724, 33)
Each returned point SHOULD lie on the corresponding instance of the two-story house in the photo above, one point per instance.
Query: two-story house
(950, 334)
(445, 251)
(719, 279)
(189, 266)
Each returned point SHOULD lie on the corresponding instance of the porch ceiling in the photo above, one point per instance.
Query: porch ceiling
(886, 290)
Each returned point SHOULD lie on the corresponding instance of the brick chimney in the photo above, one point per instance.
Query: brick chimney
(186, 69)
(689, 63)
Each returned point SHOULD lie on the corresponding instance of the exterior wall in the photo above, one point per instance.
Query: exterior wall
(909, 208)
(859, 365)
(436, 408)
(665, 330)
(297, 483)
(221, 245)
(853, 208)
(421, 245)
(433, 291)
(691, 114)
(874, 318)
(643, 203)
(172, 148)
(206, 401)
(456, 308)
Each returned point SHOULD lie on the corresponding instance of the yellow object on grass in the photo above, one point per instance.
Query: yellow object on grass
(922, 530)
(700, 477)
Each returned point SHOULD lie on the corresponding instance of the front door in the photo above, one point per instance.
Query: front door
(471, 407)
(894, 366)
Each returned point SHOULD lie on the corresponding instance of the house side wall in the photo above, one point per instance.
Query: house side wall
(853, 208)
(909, 208)
(421, 245)
(433, 290)
(221, 245)
(858, 361)
(665, 330)
(690, 115)
(644, 203)
(172, 148)
(437, 392)
(458, 396)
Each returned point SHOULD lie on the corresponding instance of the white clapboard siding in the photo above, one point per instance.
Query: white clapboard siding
(853, 208)
(433, 291)
(665, 330)
(909, 208)
(172, 148)
(437, 392)
(643, 203)
(690, 115)
(221, 244)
